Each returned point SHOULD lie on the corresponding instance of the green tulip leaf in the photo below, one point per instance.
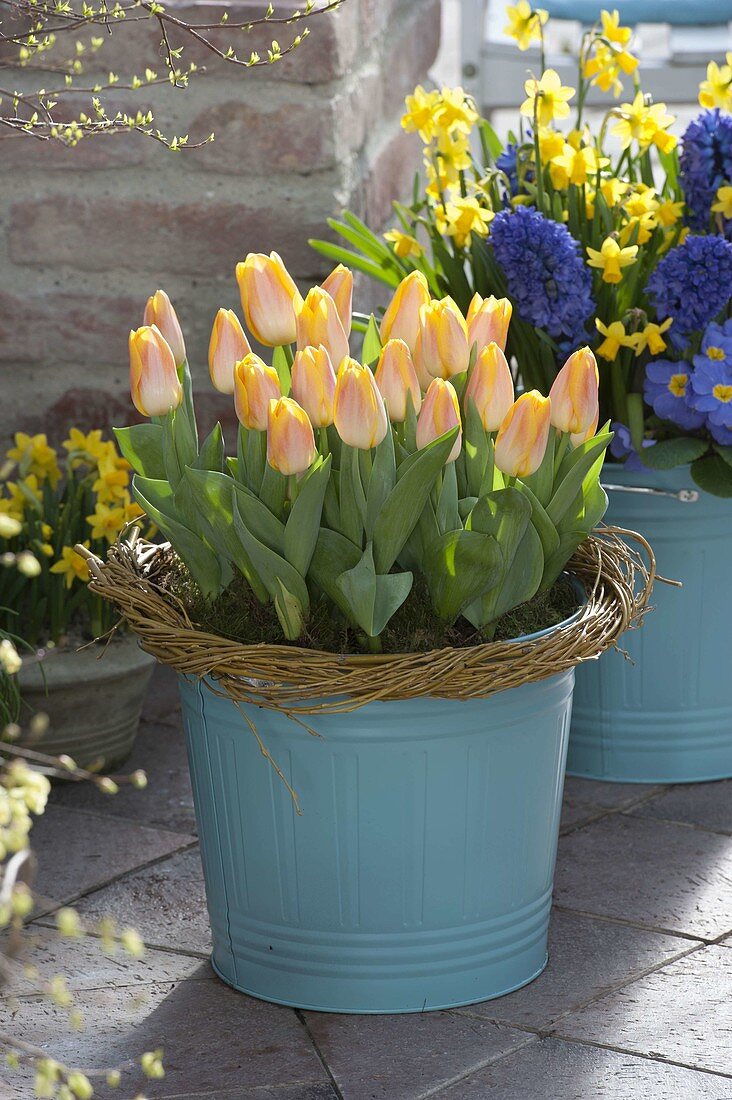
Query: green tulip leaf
(478, 450)
(273, 570)
(572, 473)
(461, 566)
(211, 454)
(142, 446)
(303, 522)
(545, 529)
(381, 482)
(371, 349)
(352, 499)
(372, 599)
(518, 584)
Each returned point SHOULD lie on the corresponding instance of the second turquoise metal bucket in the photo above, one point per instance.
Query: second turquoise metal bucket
(419, 874)
(667, 716)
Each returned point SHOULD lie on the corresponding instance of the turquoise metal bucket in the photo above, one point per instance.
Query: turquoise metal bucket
(667, 717)
(419, 874)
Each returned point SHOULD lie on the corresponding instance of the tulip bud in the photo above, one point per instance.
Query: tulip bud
(269, 298)
(401, 320)
(396, 377)
(318, 323)
(488, 320)
(491, 387)
(440, 412)
(255, 385)
(313, 384)
(574, 393)
(577, 438)
(290, 441)
(159, 312)
(358, 409)
(227, 347)
(154, 382)
(442, 348)
(522, 437)
(339, 285)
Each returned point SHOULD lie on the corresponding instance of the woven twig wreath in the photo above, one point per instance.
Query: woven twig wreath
(610, 565)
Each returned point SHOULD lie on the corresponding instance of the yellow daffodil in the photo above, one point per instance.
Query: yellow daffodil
(723, 205)
(575, 166)
(615, 338)
(461, 217)
(632, 121)
(656, 128)
(603, 68)
(613, 191)
(113, 479)
(34, 456)
(524, 23)
(106, 521)
(669, 212)
(71, 565)
(716, 90)
(420, 114)
(404, 245)
(86, 447)
(455, 111)
(641, 209)
(454, 149)
(652, 337)
(612, 30)
(611, 259)
(547, 99)
(551, 144)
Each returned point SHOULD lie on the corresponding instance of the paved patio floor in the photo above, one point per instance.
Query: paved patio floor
(636, 1000)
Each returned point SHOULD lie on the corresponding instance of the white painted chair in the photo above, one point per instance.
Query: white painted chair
(677, 37)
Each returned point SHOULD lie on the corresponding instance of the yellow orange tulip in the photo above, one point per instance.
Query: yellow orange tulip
(396, 377)
(442, 349)
(490, 386)
(488, 321)
(358, 410)
(255, 385)
(227, 347)
(313, 384)
(269, 298)
(290, 440)
(574, 394)
(522, 437)
(159, 312)
(154, 383)
(318, 322)
(401, 319)
(440, 412)
(339, 285)
(581, 437)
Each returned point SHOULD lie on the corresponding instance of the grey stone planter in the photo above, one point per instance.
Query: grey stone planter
(93, 702)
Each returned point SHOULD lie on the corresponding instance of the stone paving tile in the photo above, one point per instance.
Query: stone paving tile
(166, 903)
(86, 966)
(706, 804)
(390, 1057)
(162, 703)
(681, 1013)
(214, 1039)
(609, 796)
(160, 750)
(551, 1069)
(586, 957)
(77, 851)
(265, 1092)
(660, 875)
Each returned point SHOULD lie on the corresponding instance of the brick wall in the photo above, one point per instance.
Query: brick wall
(87, 234)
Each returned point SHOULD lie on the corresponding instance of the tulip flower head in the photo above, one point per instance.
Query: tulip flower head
(290, 441)
(574, 394)
(269, 298)
(490, 386)
(396, 377)
(401, 319)
(439, 413)
(339, 285)
(488, 321)
(255, 385)
(313, 384)
(154, 382)
(577, 438)
(159, 312)
(227, 347)
(318, 322)
(522, 437)
(442, 349)
(358, 409)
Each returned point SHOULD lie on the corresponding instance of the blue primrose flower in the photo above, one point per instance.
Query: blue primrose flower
(667, 390)
(711, 394)
(706, 163)
(547, 279)
(621, 447)
(692, 284)
(716, 345)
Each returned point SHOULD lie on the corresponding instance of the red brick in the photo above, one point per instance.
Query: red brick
(390, 177)
(21, 337)
(207, 238)
(68, 327)
(104, 151)
(253, 140)
(413, 43)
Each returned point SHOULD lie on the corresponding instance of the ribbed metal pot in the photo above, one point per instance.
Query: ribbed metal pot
(667, 716)
(92, 697)
(419, 875)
